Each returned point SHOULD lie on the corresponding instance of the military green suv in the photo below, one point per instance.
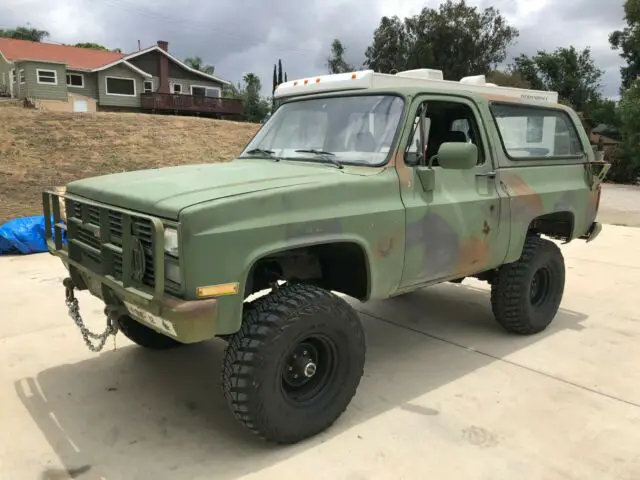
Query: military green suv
(367, 184)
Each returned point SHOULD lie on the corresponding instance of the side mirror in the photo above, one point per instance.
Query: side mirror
(457, 156)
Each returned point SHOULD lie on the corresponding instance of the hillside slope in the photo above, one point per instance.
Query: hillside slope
(40, 149)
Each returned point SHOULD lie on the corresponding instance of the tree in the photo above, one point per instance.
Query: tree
(625, 164)
(573, 74)
(509, 78)
(605, 111)
(197, 64)
(457, 38)
(275, 80)
(627, 41)
(25, 33)
(94, 46)
(256, 108)
(390, 48)
(336, 62)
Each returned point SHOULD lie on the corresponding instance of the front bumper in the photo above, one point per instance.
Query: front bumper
(188, 321)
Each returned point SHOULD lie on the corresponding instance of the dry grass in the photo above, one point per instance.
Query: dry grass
(41, 149)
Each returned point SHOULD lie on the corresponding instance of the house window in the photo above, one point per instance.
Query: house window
(148, 86)
(205, 91)
(23, 78)
(176, 88)
(47, 76)
(125, 87)
(13, 76)
(75, 80)
(4, 79)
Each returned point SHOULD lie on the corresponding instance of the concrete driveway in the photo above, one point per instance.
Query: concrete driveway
(446, 394)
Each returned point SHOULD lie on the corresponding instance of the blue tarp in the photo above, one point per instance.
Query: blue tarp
(24, 235)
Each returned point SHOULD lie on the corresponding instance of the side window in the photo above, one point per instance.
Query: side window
(446, 122)
(413, 151)
(535, 132)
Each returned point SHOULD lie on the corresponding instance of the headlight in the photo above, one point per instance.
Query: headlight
(171, 241)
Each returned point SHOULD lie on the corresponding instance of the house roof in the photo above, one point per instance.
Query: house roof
(171, 57)
(83, 58)
(74, 57)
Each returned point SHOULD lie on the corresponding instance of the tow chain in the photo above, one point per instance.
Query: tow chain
(87, 335)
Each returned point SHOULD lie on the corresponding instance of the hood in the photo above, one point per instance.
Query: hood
(164, 192)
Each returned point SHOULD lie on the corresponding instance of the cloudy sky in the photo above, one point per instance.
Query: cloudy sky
(240, 36)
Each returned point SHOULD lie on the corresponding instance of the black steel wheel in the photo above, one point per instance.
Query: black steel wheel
(309, 368)
(295, 364)
(526, 294)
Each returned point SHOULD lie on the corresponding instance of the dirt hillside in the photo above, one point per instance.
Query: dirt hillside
(40, 149)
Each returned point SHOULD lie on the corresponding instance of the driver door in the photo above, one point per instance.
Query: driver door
(453, 229)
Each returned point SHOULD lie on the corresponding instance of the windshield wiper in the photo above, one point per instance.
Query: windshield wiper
(328, 155)
(263, 151)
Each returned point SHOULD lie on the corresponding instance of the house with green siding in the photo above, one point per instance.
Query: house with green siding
(65, 78)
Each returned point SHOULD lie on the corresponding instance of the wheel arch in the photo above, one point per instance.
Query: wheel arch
(327, 252)
(558, 225)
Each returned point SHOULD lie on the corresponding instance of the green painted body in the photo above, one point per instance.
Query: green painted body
(415, 225)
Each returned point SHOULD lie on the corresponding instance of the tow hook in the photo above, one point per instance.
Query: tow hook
(74, 312)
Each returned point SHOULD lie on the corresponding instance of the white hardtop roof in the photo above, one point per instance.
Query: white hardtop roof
(423, 77)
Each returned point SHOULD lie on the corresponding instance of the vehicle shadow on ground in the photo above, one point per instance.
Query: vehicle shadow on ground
(134, 413)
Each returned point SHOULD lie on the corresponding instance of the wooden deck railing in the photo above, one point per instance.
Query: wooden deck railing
(191, 103)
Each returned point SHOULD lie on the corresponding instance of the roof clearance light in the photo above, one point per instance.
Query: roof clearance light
(306, 81)
(353, 76)
(295, 83)
(318, 80)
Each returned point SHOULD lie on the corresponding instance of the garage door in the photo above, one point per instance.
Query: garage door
(80, 106)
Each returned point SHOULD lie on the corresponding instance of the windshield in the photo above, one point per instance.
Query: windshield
(354, 129)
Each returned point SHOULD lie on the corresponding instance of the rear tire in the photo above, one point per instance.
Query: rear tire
(145, 336)
(295, 364)
(526, 294)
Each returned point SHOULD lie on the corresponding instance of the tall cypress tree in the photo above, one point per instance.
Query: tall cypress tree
(275, 80)
(279, 71)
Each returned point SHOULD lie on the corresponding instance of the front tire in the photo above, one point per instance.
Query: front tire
(295, 364)
(526, 294)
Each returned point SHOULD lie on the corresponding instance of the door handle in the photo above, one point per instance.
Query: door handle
(487, 174)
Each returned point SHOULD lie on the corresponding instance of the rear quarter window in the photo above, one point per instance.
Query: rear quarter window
(530, 132)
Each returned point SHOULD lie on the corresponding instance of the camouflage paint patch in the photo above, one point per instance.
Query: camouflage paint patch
(405, 172)
(474, 255)
(567, 202)
(438, 241)
(383, 247)
(592, 205)
(526, 203)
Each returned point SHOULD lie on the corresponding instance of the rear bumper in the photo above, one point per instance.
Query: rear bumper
(593, 232)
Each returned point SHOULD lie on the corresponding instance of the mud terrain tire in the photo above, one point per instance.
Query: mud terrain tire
(295, 364)
(144, 336)
(526, 294)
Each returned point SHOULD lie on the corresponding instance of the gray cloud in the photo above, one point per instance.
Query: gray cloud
(250, 35)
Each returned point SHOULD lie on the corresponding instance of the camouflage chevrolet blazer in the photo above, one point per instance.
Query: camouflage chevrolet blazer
(370, 185)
